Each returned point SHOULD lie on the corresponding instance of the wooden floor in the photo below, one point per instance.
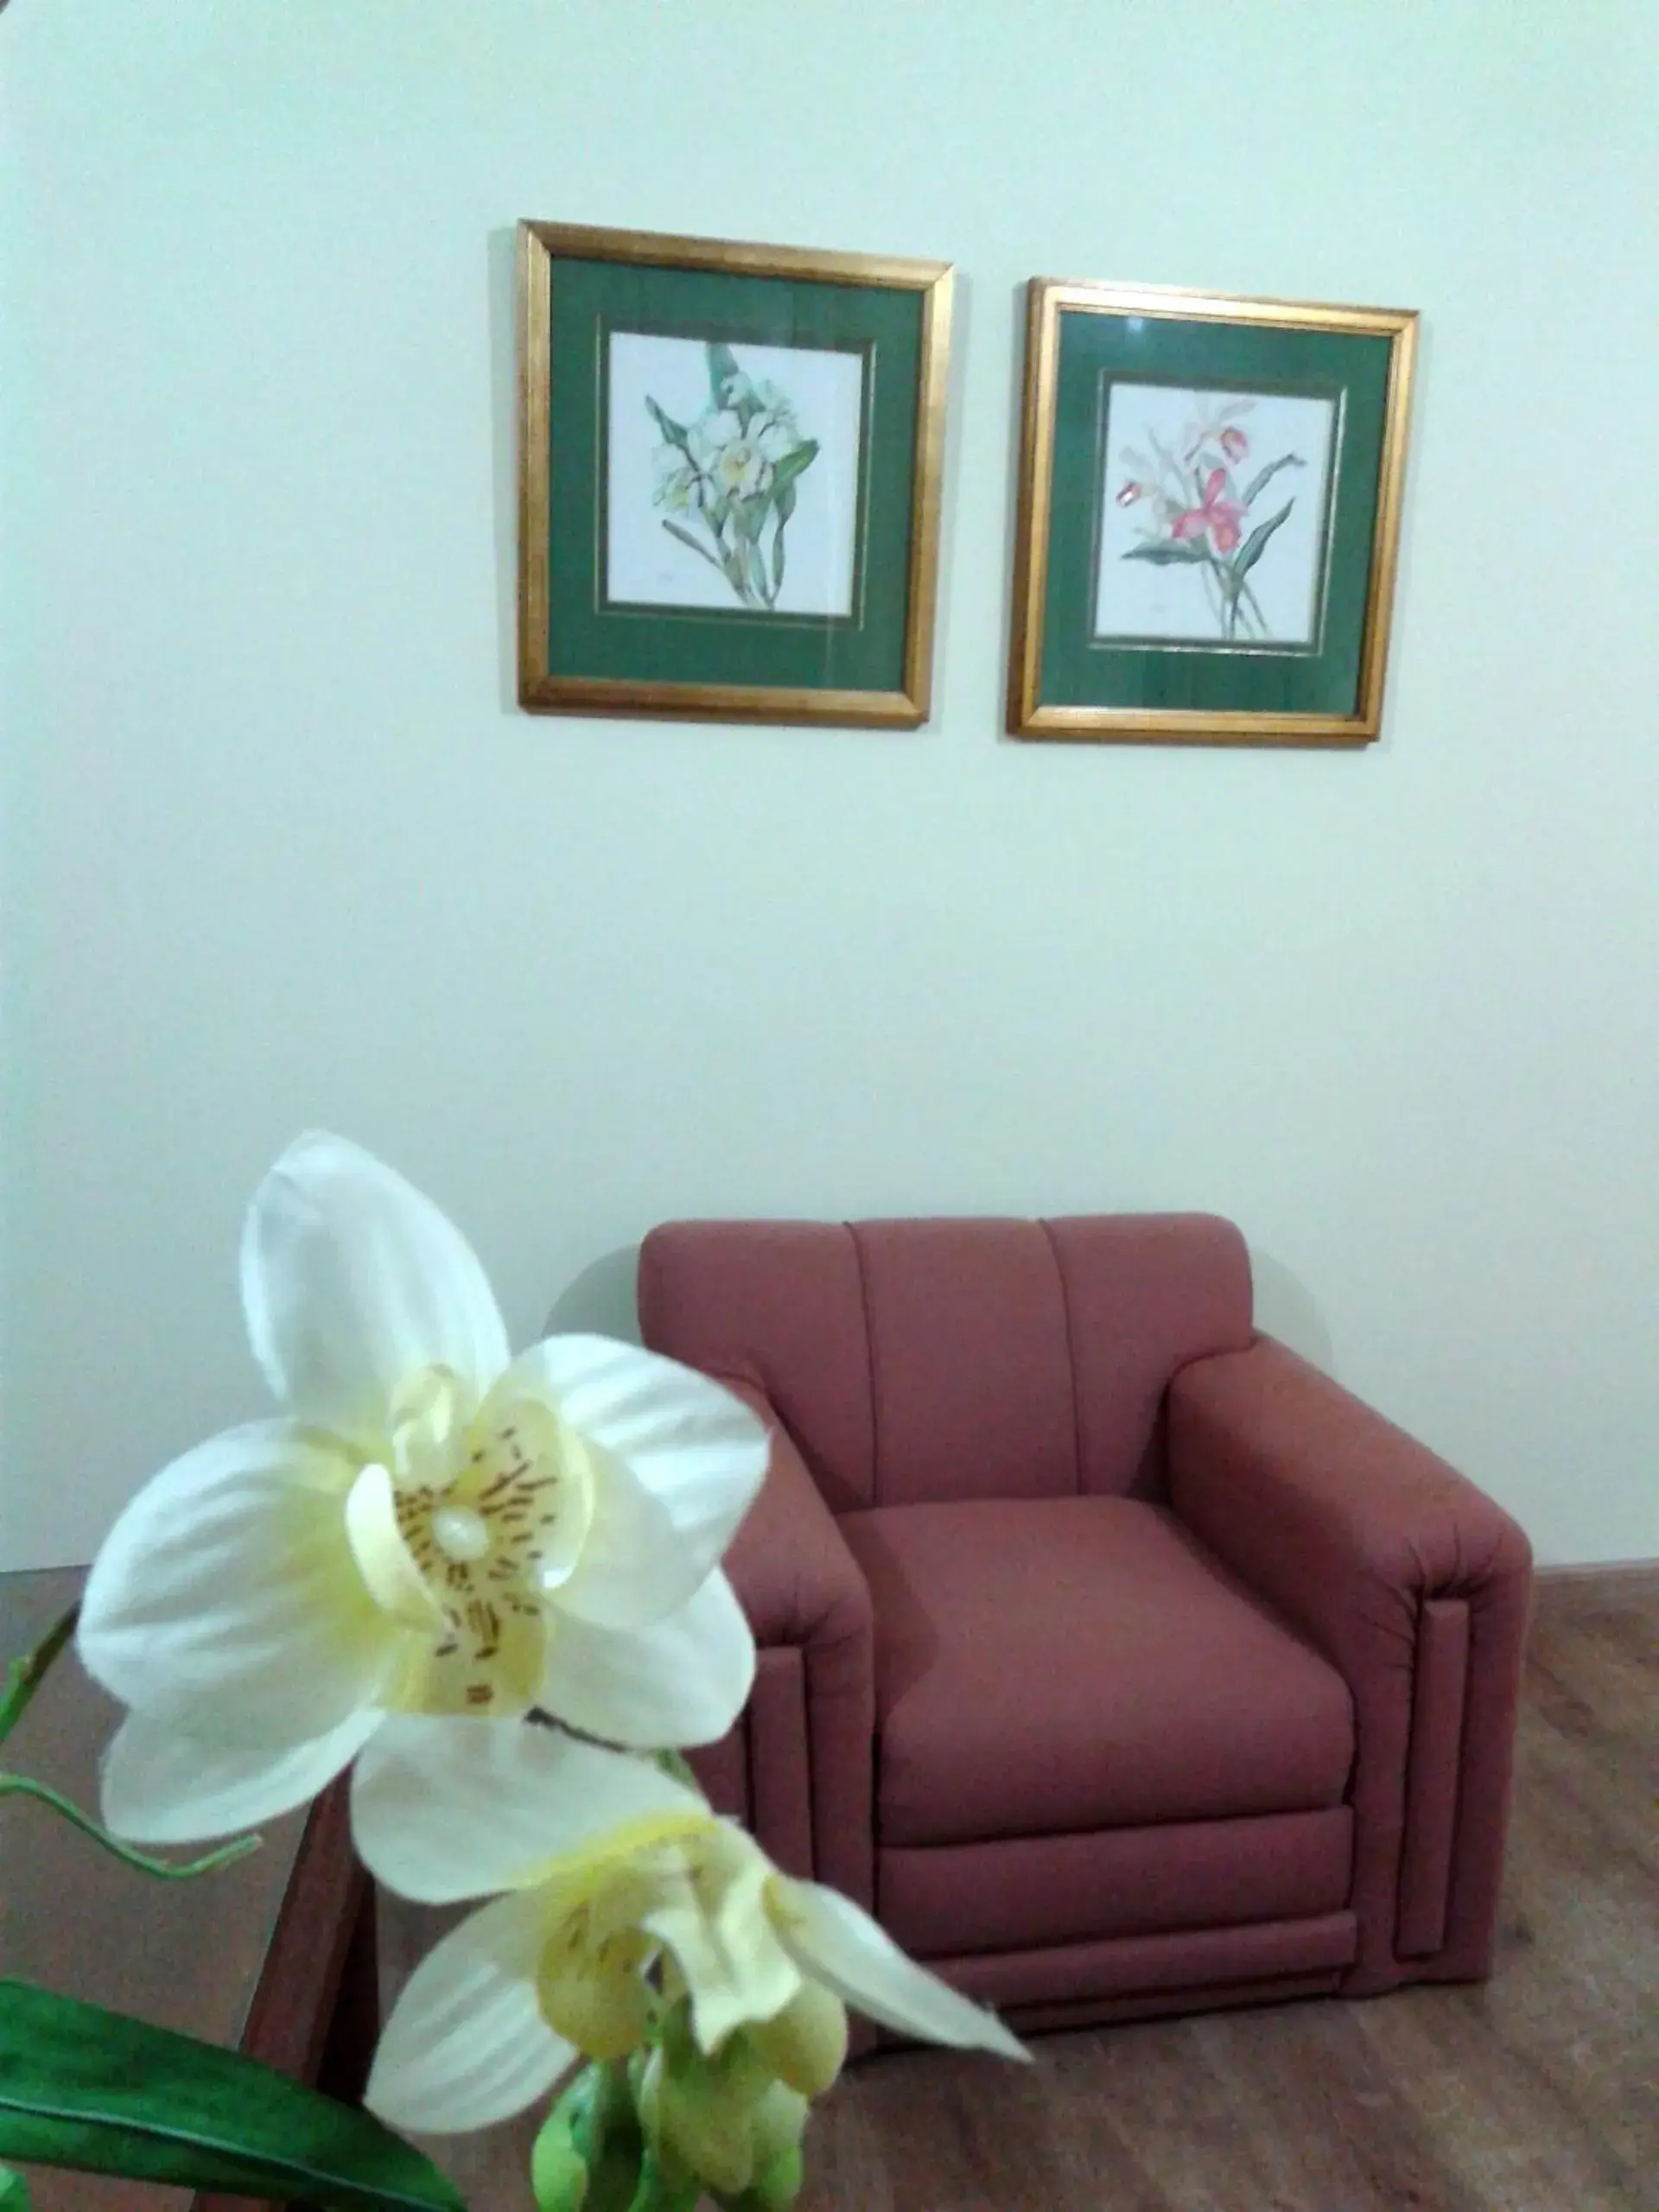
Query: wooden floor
(1537, 2093)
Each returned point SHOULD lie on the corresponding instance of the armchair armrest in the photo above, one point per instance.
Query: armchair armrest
(1416, 1587)
(811, 1721)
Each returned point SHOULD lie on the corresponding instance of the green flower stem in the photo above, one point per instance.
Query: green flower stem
(23, 1785)
(1216, 598)
(25, 1675)
(677, 1767)
(1231, 597)
(658, 2193)
(1228, 609)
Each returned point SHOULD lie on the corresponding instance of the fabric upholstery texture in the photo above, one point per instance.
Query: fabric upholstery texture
(1048, 1665)
(1144, 1965)
(1122, 1661)
(1021, 1892)
(912, 1360)
(804, 1596)
(1348, 1528)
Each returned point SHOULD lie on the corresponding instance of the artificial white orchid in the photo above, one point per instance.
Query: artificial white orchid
(430, 1526)
(598, 1864)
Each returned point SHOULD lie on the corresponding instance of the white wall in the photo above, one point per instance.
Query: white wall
(280, 850)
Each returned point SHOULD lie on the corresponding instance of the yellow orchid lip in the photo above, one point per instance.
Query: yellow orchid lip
(461, 1533)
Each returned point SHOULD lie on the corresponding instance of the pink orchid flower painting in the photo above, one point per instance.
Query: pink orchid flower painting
(1197, 510)
(1216, 514)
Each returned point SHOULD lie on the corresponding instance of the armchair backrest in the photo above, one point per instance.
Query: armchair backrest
(916, 1361)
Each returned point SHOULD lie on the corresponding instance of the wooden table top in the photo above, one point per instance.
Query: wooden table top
(186, 1956)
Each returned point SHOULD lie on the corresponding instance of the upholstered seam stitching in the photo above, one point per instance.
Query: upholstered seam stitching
(1070, 1354)
(869, 1363)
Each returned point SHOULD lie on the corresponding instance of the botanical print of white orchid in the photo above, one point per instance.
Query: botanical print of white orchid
(427, 1526)
(1195, 514)
(732, 476)
(627, 1922)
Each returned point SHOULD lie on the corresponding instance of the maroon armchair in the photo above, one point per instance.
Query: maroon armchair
(1121, 1659)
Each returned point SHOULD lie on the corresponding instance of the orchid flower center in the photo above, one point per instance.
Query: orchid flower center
(478, 1512)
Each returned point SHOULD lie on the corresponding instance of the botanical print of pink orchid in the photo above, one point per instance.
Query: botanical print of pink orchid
(1197, 515)
(1218, 514)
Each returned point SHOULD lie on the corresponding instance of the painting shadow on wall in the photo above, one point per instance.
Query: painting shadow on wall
(1286, 1308)
(602, 1301)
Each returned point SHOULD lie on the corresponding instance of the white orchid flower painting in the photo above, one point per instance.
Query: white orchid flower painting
(733, 474)
(1215, 517)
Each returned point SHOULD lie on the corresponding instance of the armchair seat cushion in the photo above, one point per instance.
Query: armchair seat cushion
(1050, 1666)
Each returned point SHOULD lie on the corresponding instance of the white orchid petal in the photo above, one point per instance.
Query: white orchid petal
(632, 1566)
(697, 1449)
(722, 1938)
(352, 1280)
(467, 2044)
(683, 1680)
(830, 1938)
(225, 1595)
(384, 1559)
(161, 1786)
(447, 1810)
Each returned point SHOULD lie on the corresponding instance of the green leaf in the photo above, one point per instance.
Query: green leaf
(90, 2089)
(675, 433)
(14, 2191)
(737, 574)
(794, 463)
(1251, 550)
(1265, 476)
(1162, 551)
(756, 573)
(749, 516)
(686, 538)
(778, 559)
(783, 498)
(723, 370)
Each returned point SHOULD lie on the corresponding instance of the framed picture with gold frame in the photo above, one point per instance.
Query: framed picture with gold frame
(729, 471)
(1209, 516)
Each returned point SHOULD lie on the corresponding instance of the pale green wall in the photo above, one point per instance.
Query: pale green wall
(281, 852)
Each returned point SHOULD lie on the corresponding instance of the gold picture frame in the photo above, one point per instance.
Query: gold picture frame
(1135, 617)
(597, 540)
